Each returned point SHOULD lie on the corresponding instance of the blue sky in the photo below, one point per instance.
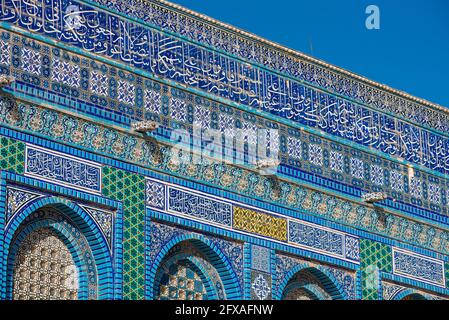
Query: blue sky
(410, 52)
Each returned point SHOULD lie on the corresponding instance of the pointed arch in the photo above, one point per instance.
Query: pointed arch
(310, 290)
(83, 221)
(218, 260)
(327, 280)
(409, 294)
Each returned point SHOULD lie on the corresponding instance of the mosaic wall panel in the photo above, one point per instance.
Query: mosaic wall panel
(130, 189)
(292, 64)
(12, 156)
(88, 86)
(260, 223)
(239, 180)
(61, 169)
(105, 220)
(219, 212)
(300, 152)
(162, 234)
(343, 278)
(215, 73)
(418, 267)
(16, 199)
(374, 257)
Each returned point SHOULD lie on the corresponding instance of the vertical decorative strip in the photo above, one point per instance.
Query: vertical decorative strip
(129, 188)
(374, 259)
(273, 273)
(247, 271)
(2, 226)
(12, 158)
(446, 271)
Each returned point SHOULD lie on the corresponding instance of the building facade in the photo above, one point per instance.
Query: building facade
(355, 205)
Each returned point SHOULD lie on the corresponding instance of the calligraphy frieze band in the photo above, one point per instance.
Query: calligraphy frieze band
(111, 36)
(189, 204)
(62, 169)
(215, 211)
(295, 64)
(418, 267)
(323, 239)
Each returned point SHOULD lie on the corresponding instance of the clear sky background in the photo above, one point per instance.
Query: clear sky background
(410, 52)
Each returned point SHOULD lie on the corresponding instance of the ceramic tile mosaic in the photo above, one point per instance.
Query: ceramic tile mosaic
(133, 223)
(130, 189)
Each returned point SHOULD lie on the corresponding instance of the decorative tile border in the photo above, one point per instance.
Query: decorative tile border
(418, 267)
(62, 169)
(220, 212)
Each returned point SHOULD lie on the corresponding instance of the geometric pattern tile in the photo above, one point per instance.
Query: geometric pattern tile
(155, 194)
(44, 268)
(374, 256)
(129, 188)
(260, 286)
(260, 258)
(12, 155)
(260, 223)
